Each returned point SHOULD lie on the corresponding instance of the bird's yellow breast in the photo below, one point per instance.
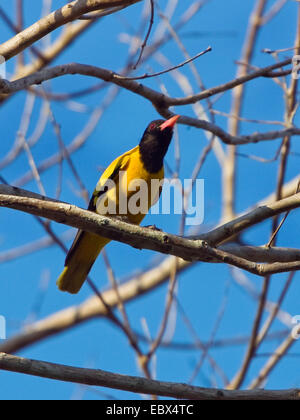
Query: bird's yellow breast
(131, 189)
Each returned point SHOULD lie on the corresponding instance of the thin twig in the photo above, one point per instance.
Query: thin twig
(184, 63)
(151, 23)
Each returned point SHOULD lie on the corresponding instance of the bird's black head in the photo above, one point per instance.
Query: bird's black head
(155, 143)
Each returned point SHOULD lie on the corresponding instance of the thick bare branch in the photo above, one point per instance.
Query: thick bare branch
(110, 76)
(159, 100)
(134, 384)
(92, 308)
(56, 19)
(199, 249)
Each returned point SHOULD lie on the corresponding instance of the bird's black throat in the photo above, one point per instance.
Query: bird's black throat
(153, 148)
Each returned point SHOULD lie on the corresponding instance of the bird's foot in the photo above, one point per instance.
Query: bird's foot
(153, 227)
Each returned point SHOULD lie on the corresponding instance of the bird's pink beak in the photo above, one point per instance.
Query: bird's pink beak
(169, 123)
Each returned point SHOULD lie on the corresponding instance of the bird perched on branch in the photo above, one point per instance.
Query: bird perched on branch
(120, 192)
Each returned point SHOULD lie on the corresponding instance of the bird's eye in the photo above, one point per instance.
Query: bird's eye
(152, 126)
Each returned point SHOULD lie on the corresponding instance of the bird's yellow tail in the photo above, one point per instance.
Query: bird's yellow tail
(80, 260)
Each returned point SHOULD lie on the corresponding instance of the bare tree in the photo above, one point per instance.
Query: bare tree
(32, 51)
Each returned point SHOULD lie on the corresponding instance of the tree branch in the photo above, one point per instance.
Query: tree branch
(134, 384)
(92, 308)
(199, 249)
(160, 101)
(60, 17)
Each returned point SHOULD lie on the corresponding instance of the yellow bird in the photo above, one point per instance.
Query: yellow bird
(117, 186)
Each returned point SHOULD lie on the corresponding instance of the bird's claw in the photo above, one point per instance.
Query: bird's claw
(153, 227)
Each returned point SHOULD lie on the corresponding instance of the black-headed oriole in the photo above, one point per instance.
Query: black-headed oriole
(144, 162)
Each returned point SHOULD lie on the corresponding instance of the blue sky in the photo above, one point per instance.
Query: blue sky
(201, 289)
